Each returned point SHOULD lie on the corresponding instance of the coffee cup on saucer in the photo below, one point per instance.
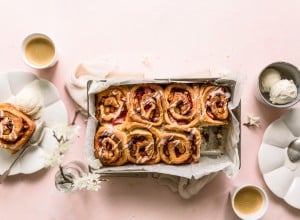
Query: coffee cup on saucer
(38, 51)
(249, 201)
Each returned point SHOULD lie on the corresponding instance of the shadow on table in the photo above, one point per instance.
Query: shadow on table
(212, 201)
(29, 178)
(49, 73)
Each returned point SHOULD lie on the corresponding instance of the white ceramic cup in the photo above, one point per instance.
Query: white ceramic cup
(39, 51)
(249, 201)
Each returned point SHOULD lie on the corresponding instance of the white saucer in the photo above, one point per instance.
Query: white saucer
(281, 175)
(54, 111)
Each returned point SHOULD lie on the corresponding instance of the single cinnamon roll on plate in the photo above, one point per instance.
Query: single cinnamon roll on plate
(15, 127)
(142, 143)
(214, 105)
(145, 104)
(111, 105)
(109, 146)
(180, 147)
(181, 105)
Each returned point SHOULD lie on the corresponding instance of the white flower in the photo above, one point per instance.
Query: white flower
(73, 132)
(90, 181)
(253, 121)
(53, 158)
(68, 132)
(64, 146)
(93, 182)
(79, 183)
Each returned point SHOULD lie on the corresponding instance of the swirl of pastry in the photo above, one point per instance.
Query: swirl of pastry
(109, 146)
(180, 147)
(145, 104)
(181, 105)
(15, 127)
(111, 105)
(142, 143)
(214, 104)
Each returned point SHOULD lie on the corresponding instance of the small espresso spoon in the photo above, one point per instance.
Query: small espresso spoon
(293, 150)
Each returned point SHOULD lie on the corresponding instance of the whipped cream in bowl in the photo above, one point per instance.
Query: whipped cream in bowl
(29, 100)
(279, 85)
(282, 92)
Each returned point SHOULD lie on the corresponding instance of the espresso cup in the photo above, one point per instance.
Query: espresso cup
(249, 202)
(38, 51)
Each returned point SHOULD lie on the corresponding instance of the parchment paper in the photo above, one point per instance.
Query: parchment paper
(228, 163)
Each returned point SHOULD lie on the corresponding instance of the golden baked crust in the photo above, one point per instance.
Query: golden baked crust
(142, 143)
(162, 123)
(111, 105)
(145, 104)
(109, 146)
(15, 127)
(214, 105)
(181, 105)
(180, 147)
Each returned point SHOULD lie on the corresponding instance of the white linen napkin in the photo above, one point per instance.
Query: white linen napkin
(76, 85)
(97, 69)
(186, 188)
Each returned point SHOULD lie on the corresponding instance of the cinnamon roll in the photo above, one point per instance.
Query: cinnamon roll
(111, 105)
(182, 147)
(214, 105)
(109, 146)
(15, 127)
(145, 104)
(181, 105)
(142, 143)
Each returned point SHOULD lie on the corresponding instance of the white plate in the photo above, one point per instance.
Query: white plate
(54, 111)
(281, 175)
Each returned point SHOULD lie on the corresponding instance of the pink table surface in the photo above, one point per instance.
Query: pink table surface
(181, 37)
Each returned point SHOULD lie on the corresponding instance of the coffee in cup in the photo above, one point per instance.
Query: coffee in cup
(249, 202)
(39, 51)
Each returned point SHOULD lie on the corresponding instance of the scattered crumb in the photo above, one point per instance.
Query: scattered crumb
(147, 60)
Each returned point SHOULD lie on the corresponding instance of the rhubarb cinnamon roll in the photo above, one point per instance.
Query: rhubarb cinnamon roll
(142, 143)
(181, 105)
(109, 146)
(180, 147)
(145, 104)
(15, 128)
(111, 105)
(214, 105)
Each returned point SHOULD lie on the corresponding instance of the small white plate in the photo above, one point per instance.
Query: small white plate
(280, 174)
(54, 111)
